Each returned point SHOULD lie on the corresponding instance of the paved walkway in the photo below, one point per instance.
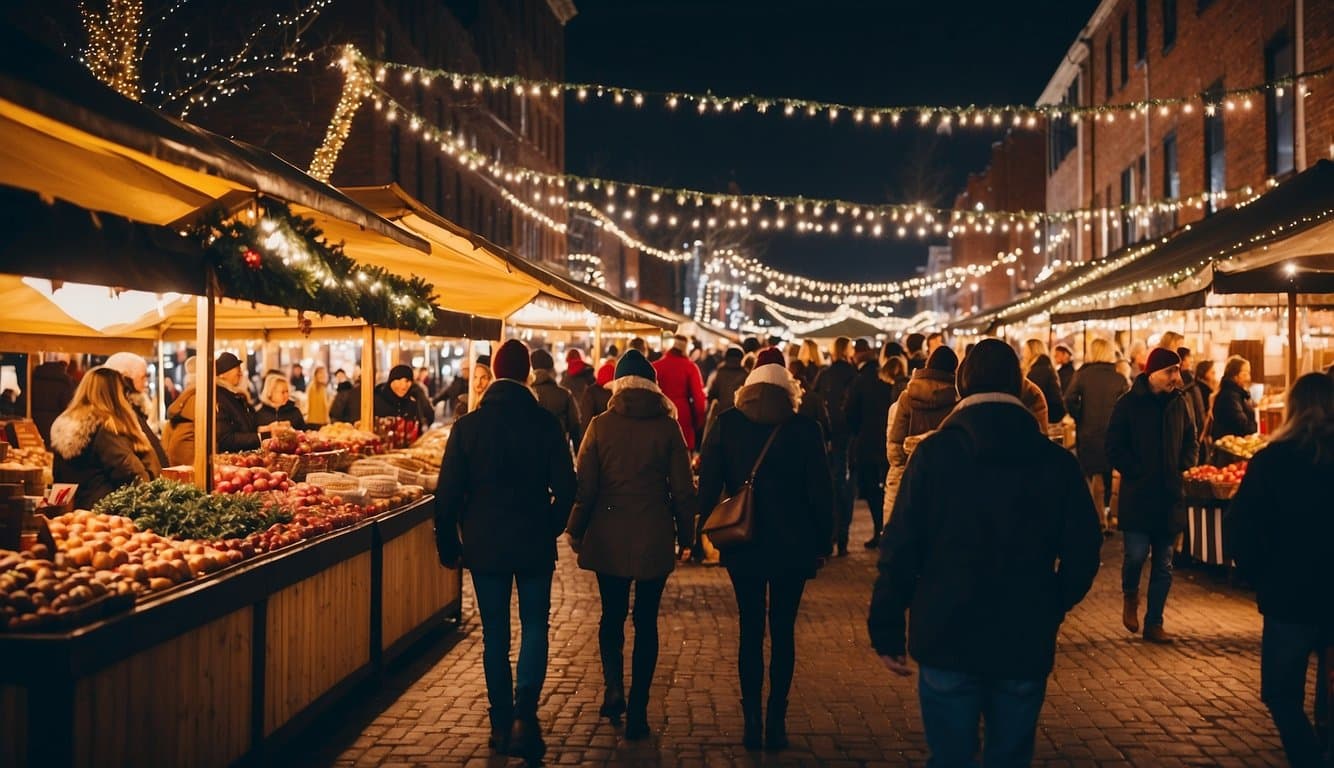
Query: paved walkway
(1112, 701)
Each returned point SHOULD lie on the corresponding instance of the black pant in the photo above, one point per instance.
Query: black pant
(784, 597)
(611, 634)
(871, 487)
(843, 495)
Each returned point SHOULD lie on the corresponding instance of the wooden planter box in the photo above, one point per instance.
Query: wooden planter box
(210, 674)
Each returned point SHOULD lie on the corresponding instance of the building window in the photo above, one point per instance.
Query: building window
(1125, 49)
(1215, 169)
(1280, 132)
(1141, 30)
(1171, 178)
(1128, 188)
(1107, 70)
(1062, 132)
(1169, 24)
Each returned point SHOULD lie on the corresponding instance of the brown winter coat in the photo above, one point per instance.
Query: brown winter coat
(636, 495)
(929, 398)
(1036, 402)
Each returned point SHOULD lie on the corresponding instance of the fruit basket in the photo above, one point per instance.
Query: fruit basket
(1223, 489)
(322, 461)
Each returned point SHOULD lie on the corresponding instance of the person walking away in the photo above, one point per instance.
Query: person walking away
(1065, 366)
(133, 370)
(1151, 442)
(399, 397)
(916, 354)
(276, 406)
(1282, 536)
(812, 362)
(681, 382)
(578, 374)
(1092, 395)
(1038, 368)
(812, 404)
(983, 635)
(52, 390)
(506, 487)
(793, 517)
(833, 383)
(869, 399)
(930, 396)
(97, 441)
(727, 378)
(557, 400)
(596, 395)
(635, 499)
(317, 398)
(1232, 410)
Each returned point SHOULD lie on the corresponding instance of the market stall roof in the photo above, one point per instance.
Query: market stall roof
(392, 202)
(850, 327)
(688, 326)
(1039, 300)
(1179, 273)
(65, 135)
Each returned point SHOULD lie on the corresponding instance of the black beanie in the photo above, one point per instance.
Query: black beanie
(542, 360)
(943, 360)
(400, 372)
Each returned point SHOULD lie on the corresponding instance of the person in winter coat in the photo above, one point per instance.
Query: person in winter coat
(1036, 403)
(833, 383)
(1233, 413)
(793, 504)
(1200, 389)
(636, 499)
(97, 440)
(812, 363)
(558, 400)
(812, 404)
(1092, 396)
(579, 375)
(916, 344)
(235, 426)
(1065, 366)
(133, 370)
(727, 378)
(596, 395)
(929, 397)
(1151, 442)
(1038, 368)
(681, 382)
(346, 407)
(1282, 536)
(400, 397)
(52, 390)
(869, 400)
(505, 491)
(275, 405)
(983, 635)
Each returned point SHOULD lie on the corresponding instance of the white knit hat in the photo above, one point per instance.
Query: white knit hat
(770, 374)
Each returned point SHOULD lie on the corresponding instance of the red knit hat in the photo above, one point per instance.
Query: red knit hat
(770, 356)
(607, 372)
(1159, 359)
(511, 361)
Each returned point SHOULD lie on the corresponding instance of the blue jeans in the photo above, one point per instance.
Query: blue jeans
(494, 592)
(1160, 573)
(1285, 653)
(953, 705)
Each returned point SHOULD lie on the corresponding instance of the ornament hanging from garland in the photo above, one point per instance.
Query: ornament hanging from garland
(272, 256)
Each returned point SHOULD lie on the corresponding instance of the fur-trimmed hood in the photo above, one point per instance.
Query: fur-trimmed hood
(766, 403)
(638, 398)
(71, 435)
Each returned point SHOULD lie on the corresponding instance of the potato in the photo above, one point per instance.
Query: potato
(120, 557)
(102, 561)
(80, 555)
(158, 583)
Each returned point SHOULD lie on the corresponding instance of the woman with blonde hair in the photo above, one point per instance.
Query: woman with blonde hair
(1093, 394)
(812, 360)
(276, 406)
(317, 397)
(97, 441)
(1038, 368)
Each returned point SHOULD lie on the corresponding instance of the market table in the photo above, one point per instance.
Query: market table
(223, 667)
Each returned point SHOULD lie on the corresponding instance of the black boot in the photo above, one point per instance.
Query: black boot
(613, 703)
(501, 721)
(525, 739)
(636, 722)
(753, 737)
(775, 726)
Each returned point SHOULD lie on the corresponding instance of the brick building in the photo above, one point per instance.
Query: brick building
(1132, 50)
(521, 37)
(1013, 180)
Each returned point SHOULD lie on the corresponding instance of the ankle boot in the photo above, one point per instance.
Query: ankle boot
(501, 721)
(775, 725)
(1130, 612)
(613, 703)
(636, 721)
(753, 738)
(525, 739)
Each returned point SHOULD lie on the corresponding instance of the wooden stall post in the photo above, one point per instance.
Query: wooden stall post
(161, 379)
(1292, 339)
(368, 378)
(472, 364)
(27, 373)
(205, 392)
(597, 344)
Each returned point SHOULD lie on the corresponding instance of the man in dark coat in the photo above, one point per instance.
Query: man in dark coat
(399, 397)
(833, 383)
(723, 384)
(52, 389)
(506, 488)
(1090, 399)
(559, 401)
(986, 566)
(869, 399)
(1151, 442)
(1065, 366)
(237, 429)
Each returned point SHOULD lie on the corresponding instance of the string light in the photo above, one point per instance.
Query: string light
(112, 53)
(356, 87)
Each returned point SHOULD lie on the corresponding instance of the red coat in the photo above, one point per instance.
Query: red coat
(680, 380)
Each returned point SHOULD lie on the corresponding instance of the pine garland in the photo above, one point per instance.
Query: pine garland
(275, 257)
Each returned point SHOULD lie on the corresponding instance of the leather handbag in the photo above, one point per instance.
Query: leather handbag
(732, 522)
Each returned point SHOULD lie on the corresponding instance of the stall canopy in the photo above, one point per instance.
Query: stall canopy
(1294, 219)
(688, 326)
(850, 327)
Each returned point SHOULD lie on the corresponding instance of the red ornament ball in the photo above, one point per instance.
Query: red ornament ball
(252, 258)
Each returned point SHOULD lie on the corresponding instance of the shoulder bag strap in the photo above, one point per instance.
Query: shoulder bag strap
(760, 459)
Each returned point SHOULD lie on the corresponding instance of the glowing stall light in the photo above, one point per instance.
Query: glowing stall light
(100, 307)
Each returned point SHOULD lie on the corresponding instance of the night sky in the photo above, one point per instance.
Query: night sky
(883, 52)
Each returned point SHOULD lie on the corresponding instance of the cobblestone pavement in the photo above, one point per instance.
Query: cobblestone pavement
(1112, 701)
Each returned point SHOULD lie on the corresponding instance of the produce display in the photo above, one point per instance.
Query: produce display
(334, 437)
(170, 508)
(38, 593)
(1241, 447)
(1216, 482)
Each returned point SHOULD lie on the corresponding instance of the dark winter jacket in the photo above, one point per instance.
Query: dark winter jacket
(721, 390)
(413, 406)
(1043, 373)
(506, 485)
(793, 492)
(986, 568)
(52, 389)
(346, 406)
(578, 382)
(869, 399)
(1066, 373)
(1233, 412)
(813, 406)
(560, 403)
(1090, 399)
(99, 460)
(636, 494)
(680, 380)
(833, 384)
(593, 402)
(1279, 530)
(929, 398)
(266, 414)
(236, 428)
(1197, 397)
(1151, 442)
